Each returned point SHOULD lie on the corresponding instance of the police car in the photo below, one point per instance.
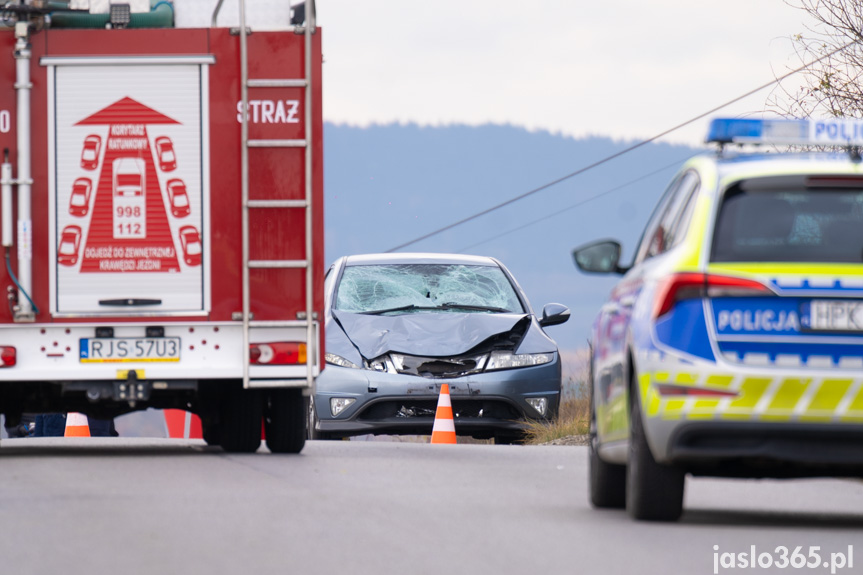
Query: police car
(733, 344)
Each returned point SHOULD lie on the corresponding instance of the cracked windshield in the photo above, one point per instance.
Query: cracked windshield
(404, 288)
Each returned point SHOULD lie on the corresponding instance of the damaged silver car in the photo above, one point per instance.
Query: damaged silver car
(398, 326)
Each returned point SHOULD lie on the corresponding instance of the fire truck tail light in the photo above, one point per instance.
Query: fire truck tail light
(7, 356)
(277, 353)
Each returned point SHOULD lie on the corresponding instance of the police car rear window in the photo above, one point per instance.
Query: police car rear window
(790, 220)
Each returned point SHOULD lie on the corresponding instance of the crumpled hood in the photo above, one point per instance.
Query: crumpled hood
(426, 334)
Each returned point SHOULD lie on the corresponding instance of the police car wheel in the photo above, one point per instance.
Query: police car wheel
(285, 421)
(607, 481)
(654, 492)
(240, 430)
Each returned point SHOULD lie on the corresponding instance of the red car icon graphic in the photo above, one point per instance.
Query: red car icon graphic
(90, 154)
(165, 154)
(178, 198)
(70, 241)
(191, 243)
(79, 202)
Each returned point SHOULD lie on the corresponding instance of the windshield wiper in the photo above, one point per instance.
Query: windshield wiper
(446, 306)
(453, 305)
(395, 309)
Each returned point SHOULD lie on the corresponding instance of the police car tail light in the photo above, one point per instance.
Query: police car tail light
(725, 286)
(277, 353)
(688, 391)
(8, 356)
(684, 286)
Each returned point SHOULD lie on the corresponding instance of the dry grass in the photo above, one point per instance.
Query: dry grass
(572, 420)
(574, 415)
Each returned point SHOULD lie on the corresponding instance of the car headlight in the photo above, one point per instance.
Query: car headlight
(334, 359)
(509, 360)
(383, 364)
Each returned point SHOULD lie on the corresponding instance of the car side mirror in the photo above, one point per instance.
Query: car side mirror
(554, 314)
(599, 258)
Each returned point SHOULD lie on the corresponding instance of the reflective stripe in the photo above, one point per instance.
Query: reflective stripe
(761, 398)
(787, 360)
(443, 425)
(444, 400)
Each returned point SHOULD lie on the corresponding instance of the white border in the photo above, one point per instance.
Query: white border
(204, 77)
(125, 60)
(206, 206)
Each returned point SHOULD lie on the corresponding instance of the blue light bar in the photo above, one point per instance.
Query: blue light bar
(833, 132)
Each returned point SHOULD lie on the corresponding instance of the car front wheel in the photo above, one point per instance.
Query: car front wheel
(314, 433)
(654, 492)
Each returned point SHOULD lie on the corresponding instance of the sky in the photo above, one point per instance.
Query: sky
(626, 69)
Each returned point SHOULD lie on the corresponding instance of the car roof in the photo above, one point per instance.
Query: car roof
(739, 165)
(419, 258)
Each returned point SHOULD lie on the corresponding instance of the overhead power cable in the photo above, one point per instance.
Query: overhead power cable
(573, 206)
(616, 154)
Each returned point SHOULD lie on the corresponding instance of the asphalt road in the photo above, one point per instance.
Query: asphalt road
(137, 506)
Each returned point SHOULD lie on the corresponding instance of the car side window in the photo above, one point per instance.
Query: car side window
(688, 192)
(648, 237)
(674, 217)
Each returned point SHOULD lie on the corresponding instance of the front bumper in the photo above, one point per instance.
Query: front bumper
(484, 404)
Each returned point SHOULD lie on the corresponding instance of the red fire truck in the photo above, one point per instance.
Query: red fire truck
(124, 294)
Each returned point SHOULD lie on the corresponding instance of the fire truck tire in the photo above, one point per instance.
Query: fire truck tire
(285, 420)
(240, 428)
(654, 492)
(211, 434)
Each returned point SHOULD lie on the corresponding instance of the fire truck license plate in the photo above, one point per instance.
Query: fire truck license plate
(130, 349)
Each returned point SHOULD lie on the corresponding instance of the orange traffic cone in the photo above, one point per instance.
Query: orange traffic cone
(77, 425)
(444, 425)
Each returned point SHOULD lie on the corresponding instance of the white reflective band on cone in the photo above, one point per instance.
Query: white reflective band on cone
(443, 425)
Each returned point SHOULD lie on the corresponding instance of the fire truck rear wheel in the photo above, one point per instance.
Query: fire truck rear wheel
(240, 429)
(285, 420)
(211, 433)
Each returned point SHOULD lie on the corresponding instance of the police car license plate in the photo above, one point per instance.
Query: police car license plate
(129, 349)
(836, 315)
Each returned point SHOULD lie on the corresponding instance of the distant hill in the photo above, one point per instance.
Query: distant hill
(387, 185)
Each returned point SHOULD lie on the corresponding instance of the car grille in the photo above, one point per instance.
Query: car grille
(435, 367)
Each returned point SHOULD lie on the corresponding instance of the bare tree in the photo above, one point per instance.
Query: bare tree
(832, 84)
